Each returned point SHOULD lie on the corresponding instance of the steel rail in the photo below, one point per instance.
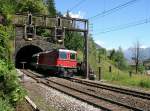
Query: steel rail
(47, 82)
(139, 94)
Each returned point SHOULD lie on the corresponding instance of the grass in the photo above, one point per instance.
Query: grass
(142, 81)
(122, 77)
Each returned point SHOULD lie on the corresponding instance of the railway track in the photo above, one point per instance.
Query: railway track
(84, 95)
(135, 93)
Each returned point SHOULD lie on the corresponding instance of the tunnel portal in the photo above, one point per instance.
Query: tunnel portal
(25, 54)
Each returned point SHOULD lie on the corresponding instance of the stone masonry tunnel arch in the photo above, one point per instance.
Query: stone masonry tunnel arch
(25, 54)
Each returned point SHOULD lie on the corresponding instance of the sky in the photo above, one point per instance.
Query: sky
(124, 38)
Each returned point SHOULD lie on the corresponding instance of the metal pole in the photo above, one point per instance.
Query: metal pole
(23, 69)
(86, 51)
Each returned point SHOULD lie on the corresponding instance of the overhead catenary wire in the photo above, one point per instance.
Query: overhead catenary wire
(125, 26)
(112, 10)
(76, 5)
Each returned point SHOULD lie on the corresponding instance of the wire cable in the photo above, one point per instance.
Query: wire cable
(125, 26)
(76, 5)
(107, 12)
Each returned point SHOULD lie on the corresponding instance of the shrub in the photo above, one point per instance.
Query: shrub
(144, 83)
(5, 106)
(10, 88)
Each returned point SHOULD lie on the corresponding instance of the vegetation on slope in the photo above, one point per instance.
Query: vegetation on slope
(11, 91)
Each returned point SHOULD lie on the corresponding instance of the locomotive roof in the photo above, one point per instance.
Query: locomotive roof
(60, 50)
(65, 50)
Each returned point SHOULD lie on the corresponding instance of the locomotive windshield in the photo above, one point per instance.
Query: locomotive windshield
(62, 55)
(72, 56)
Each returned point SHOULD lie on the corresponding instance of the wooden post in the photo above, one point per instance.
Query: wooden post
(99, 70)
(110, 69)
(99, 58)
(130, 73)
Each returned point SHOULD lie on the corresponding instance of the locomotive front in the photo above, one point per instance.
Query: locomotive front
(62, 62)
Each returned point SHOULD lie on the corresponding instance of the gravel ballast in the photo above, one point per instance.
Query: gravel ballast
(49, 99)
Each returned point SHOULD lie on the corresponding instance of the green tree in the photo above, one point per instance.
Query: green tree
(102, 51)
(7, 8)
(51, 7)
(120, 60)
(33, 6)
(136, 55)
(74, 41)
(112, 54)
(101, 54)
(141, 68)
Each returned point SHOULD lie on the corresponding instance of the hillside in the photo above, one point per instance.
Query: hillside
(105, 62)
(144, 53)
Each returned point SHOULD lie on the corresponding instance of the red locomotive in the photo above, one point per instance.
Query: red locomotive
(58, 61)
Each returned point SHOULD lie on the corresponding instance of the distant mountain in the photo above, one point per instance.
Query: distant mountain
(144, 53)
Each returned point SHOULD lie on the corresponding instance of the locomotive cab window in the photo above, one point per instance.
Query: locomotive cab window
(72, 56)
(62, 55)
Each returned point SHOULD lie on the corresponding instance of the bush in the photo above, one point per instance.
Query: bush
(5, 106)
(3, 43)
(144, 83)
(10, 88)
(141, 68)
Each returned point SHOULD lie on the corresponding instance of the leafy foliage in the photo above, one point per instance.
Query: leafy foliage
(10, 89)
(118, 59)
(51, 8)
(74, 41)
(112, 54)
(33, 6)
(5, 106)
(4, 38)
(7, 8)
(141, 68)
(92, 52)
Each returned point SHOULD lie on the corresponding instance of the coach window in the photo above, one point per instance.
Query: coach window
(63, 55)
(72, 56)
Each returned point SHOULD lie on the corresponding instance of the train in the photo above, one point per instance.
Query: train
(61, 62)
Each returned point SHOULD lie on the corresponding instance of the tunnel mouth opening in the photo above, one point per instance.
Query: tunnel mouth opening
(24, 55)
